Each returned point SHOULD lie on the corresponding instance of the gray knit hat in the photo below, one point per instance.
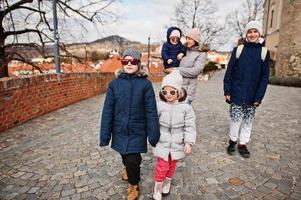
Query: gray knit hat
(132, 52)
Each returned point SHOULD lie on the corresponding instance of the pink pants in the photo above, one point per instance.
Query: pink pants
(164, 169)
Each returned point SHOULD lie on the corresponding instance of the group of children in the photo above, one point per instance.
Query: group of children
(131, 114)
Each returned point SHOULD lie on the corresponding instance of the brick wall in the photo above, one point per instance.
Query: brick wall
(25, 98)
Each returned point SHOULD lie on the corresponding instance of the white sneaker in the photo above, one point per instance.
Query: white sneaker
(166, 186)
(158, 191)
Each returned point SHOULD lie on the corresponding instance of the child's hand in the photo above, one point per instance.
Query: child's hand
(169, 61)
(187, 148)
(168, 70)
(228, 99)
(180, 56)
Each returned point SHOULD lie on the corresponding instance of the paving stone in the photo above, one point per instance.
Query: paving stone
(209, 196)
(295, 195)
(231, 193)
(76, 197)
(68, 192)
(271, 185)
(65, 198)
(211, 181)
(18, 174)
(33, 190)
(31, 197)
(82, 189)
(23, 189)
(58, 156)
(285, 188)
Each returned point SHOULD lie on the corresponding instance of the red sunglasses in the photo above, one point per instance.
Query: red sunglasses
(132, 61)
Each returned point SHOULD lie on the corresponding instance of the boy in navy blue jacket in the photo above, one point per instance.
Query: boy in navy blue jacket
(173, 50)
(129, 117)
(245, 84)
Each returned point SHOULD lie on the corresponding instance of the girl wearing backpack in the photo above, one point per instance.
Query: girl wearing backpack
(245, 84)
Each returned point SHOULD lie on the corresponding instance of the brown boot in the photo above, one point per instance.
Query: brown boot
(124, 175)
(133, 192)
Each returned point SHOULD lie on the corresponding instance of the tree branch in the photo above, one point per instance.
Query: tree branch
(31, 9)
(8, 33)
(24, 60)
(15, 6)
(75, 11)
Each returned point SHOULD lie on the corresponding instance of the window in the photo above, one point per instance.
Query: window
(272, 16)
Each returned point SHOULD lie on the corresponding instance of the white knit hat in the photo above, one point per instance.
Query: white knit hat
(175, 33)
(174, 79)
(254, 25)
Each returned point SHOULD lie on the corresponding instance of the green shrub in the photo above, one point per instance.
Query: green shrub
(211, 66)
(285, 81)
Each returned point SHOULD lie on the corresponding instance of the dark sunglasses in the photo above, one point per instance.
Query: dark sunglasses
(171, 92)
(132, 61)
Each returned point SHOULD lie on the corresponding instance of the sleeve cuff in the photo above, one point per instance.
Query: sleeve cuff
(102, 144)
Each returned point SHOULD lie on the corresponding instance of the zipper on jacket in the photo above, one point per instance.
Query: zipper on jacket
(170, 128)
(128, 114)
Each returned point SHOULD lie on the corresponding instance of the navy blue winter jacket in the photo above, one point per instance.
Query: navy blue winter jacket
(129, 115)
(247, 77)
(170, 51)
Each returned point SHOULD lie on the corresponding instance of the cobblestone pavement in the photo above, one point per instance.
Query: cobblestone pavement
(56, 156)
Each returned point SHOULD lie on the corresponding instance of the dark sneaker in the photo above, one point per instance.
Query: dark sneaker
(231, 147)
(243, 151)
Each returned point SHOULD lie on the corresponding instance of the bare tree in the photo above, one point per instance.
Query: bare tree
(201, 14)
(238, 19)
(28, 24)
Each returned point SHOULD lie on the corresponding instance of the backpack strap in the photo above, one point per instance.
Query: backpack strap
(264, 52)
(239, 50)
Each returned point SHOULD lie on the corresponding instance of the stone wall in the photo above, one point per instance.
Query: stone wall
(288, 61)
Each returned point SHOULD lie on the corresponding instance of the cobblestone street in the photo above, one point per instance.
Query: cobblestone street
(56, 156)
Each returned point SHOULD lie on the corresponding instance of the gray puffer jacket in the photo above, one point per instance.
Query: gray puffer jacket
(177, 127)
(190, 67)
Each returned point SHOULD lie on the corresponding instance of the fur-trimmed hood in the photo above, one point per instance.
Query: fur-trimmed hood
(142, 72)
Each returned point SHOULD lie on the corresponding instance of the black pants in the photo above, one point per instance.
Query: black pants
(132, 164)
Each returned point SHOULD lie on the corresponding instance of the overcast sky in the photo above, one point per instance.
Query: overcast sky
(143, 18)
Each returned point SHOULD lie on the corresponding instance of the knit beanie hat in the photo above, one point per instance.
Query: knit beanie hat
(195, 34)
(254, 25)
(174, 79)
(132, 52)
(175, 33)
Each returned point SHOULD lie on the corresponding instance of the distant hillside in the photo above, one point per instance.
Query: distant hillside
(103, 46)
(99, 48)
(117, 40)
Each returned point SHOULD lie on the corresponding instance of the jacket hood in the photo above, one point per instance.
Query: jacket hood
(250, 44)
(196, 48)
(142, 72)
(170, 30)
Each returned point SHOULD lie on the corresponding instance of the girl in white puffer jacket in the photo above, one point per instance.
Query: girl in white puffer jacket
(177, 131)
